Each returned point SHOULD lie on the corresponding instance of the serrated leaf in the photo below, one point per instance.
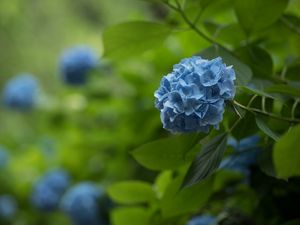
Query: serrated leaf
(286, 154)
(243, 72)
(264, 128)
(207, 161)
(130, 192)
(131, 38)
(167, 153)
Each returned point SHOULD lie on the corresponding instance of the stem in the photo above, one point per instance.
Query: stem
(263, 103)
(254, 110)
(192, 25)
(294, 108)
(251, 100)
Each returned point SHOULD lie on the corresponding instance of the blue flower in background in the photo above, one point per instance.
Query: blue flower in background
(8, 206)
(76, 63)
(21, 92)
(4, 157)
(49, 190)
(245, 155)
(202, 220)
(192, 97)
(81, 204)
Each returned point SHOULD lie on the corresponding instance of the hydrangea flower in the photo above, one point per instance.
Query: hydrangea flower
(192, 97)
(80, 203)
(8, 206)
(49, 190)
(76, 63)
(202, 220)
(21, 92)
(247, 152)
(4, 157)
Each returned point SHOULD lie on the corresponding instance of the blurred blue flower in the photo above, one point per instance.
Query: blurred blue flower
(4, 157)
(246, 153)
(49, 190)
(76, 63)
(8, 206)
(202, 220)
(191, 97)
(21, 92)
(80, 203)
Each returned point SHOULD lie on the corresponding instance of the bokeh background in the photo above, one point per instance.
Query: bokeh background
(89, 130)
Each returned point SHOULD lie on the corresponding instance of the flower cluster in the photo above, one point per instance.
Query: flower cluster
(202, 220)
(247, 152)
(49, 190)
(21, 92)
(191, 97)
(8, 206)
(76, 63)
(80, 203)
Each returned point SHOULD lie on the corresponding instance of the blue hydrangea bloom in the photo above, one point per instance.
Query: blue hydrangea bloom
(202, 220)
(76, 63)
(8, 206)
(80, 203)
(21, 92)
(192, 97)
(245, 155)
(4, 157)
(49, 190)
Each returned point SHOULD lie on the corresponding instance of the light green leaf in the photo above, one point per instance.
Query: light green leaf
(264, 128)
(243, 72)
(286, 154)
(162, 181)
(129, 192)
(167, 153)
(256, 15)
(207, 161)
(130, 216)
(176, 202)
(131, 38)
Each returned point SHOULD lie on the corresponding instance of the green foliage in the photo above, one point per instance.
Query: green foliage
(129, 192)
(130, 216)
(256, 15)
(207, 161)
(285, 155)
(264, 127)
(133, 38)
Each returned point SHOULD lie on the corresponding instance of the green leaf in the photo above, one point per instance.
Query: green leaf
(176, 202)
(243, 72)
(284, 89)
(256, 15)
(130, 192)
(226, 177)
(264, 128)
(130, 216)
(255, 91)
(167, 153)
(258, 59)
(131, 38)
(286, 154)
(162, 181)
(207, 161)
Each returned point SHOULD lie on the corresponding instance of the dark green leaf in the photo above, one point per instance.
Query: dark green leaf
(284, 89)
(128, 192)
(167, 153)
(243, 72)
(258, 59)
(207, 161)
(292, 222)
(255, 91)
(264, 128)
(256, 15)
(176, 202)
(286, 154)
(126, 39)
